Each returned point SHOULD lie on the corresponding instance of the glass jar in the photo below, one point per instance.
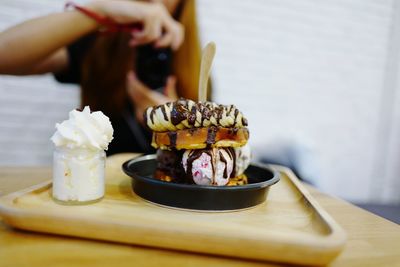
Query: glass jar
(78, 175)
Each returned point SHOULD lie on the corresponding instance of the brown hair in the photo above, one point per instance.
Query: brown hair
(106, 64)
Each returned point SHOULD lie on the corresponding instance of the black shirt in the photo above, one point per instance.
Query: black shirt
(129, 135)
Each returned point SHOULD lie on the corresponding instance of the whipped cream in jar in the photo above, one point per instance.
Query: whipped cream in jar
(79, 157)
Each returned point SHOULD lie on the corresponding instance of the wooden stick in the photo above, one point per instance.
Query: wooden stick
(205, 69)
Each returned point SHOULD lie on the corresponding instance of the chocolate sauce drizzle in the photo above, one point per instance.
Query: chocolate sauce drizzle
(223, 159)
(179, 112)
(184, 109)
(232, 155)
(164, 112)
(172, 139)
(153, 111)
(211, 133)
(192, 116)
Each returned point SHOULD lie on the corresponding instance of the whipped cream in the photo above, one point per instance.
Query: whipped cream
(84, 130)
(185, 113)
(78, 176)
(79, 157)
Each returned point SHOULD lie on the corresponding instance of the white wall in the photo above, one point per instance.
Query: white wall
(311, 72)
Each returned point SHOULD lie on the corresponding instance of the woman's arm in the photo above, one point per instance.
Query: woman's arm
(37, 45)
(26, 46)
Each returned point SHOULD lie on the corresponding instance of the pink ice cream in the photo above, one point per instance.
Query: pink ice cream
(216, 165)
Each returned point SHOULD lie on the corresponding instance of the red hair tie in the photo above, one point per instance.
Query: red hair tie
(109, 26)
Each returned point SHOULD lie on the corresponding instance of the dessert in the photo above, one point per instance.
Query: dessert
(79, 157)
(200, 143)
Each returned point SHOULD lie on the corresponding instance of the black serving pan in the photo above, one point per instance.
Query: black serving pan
(199, 197)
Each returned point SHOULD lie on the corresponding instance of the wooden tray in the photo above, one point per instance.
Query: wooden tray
(290, 227)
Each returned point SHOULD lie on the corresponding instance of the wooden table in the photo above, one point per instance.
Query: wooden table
(372, 240)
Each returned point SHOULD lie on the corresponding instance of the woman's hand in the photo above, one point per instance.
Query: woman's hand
(144, 97)
(158, 25)
(38, 46)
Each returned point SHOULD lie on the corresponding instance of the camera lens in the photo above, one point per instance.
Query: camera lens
(153, 66)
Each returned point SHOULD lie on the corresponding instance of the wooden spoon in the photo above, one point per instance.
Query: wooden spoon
(205, 69)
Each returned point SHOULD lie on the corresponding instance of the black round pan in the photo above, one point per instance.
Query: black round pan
(199, 197)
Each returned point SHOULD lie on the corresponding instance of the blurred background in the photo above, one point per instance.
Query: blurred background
(318, 81)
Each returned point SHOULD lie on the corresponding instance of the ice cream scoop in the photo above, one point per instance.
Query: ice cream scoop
(243, 158)
(215, 166)
(209, 166)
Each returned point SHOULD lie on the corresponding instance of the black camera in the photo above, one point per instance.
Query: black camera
(153, 66)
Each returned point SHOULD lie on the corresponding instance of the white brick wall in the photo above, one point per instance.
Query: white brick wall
(29, 109)
(30, 106)
(312, 72)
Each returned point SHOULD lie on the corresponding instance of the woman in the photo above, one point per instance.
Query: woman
(106, 64)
